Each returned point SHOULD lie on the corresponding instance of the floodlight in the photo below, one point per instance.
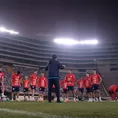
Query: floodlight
(69, 41)
(88, 42)
(2, 29)
(66, 41)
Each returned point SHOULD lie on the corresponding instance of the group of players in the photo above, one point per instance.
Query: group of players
(89, 84)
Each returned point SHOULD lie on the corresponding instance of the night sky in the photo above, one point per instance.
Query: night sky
(67, 18)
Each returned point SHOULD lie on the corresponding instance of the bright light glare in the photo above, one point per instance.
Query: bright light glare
(2, 29)
(67, 41)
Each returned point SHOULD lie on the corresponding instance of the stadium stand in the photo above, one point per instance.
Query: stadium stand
(26, 52)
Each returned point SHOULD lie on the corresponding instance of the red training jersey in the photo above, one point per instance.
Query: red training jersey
(80, 83)
(70, 79)
(26, 83)
(113, 88)
(64, 84)
(16, 79)
(42, 82)
(1, 75)
(95, 78)
(87, 82)
(33, 79)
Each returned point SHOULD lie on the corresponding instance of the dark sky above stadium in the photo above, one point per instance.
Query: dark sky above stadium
(68, 18)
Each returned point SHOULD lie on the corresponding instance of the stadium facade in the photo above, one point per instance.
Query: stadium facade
(26, 52)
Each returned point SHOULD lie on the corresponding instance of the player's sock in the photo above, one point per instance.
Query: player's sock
(38, 100)
(61, 99)
(100, 99)
(42, 99)
(3, 95)
(74, 99)
(27, 99)
(91, 99)
(17, 99)
(66, 100)
(96, 99)
(55, 99)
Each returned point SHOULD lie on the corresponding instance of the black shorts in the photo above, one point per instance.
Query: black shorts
(116, 90)
(54, 90)
(81, 90)
(0, 89)
(65, 90)
(15, 88)
(70, 88)
(95, 87)
(111, 92)
(33, 87)
(42, 89)
(88, 90)
(26, 89)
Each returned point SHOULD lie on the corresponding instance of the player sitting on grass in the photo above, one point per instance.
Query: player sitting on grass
(42, 84)
(26, 88)
(70, 79)
(96, 81)
(87, 83)
(16, 81)
(113, 92)
(80, 84)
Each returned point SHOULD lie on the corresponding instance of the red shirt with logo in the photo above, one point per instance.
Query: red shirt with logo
(87, 82)
(42, 82)
(33, 79)
(70, 79)
(16, 80)
(64, 84)
(80, 83)
(26, 83)
(95, 78)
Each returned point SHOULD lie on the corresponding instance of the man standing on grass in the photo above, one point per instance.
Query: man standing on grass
(70, 79)
(96, 81)
(33, 83)
(26, 88)
(16, 82)
(80, 84)
(42, 85)
(53, 76)
(87, 84)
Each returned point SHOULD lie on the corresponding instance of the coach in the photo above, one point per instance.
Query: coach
(53, 76)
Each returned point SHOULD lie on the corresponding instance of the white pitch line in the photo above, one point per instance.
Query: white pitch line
(36, 114)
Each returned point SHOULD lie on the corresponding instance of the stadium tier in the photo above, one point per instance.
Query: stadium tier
(23, 51)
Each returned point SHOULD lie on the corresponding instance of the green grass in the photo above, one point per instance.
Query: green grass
(11, 115)
(80, 109)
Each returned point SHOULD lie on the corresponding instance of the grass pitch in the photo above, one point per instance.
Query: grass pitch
(54, 110)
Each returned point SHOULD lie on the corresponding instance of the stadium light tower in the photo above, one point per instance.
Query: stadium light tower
(2, 29)
(69, 41)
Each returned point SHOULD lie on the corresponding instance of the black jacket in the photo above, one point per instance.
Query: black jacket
(53, 68)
